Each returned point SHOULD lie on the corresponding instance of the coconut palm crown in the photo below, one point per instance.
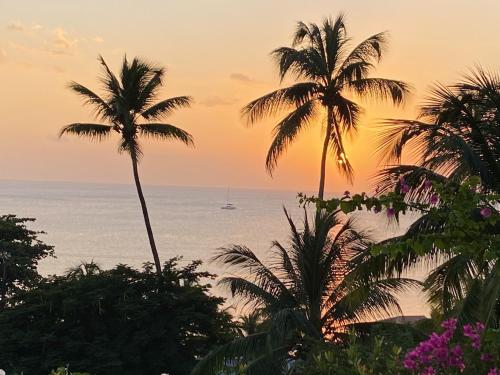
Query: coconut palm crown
(310, 289)
(455, 136)
(331, 77)
(129, 108)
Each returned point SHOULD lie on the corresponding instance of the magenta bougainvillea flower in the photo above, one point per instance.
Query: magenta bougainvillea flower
(474, 332)
(434, 199)
(403, 186)
(390, 212)
(486, 212)
(435, 352)
(438, 355)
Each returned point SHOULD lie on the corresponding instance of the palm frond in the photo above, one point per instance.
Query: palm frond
(252, 294)
(96, 132)
(166, 107)
(348, 114)
(302, 63)
(373, 300)
(370, 49)
(335, 41)
(287, 130)
(150, 90)
(380, 89)
(396, 134)
(279, 100)
(101, 108)
(109, 81)
(166, 132)
(246, 261)
(446, 284)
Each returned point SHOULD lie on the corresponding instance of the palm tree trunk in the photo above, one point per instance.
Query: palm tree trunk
(326, 143)
(146, 216)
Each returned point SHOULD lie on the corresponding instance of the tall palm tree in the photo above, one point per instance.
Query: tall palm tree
(455, 136)
(310, 290)
(330, 79)
(127, 100)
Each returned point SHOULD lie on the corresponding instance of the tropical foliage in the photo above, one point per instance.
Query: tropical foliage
(119, 321)
(470, 350)
(456, 136)
(310, 291)
(331, 77)
(464, 281)
(454, 185)
(20, 252)
(129, 108)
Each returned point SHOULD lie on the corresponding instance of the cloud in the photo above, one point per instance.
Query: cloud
(213, 101)
(36, 27)
(98, 39)
(62, 43)
(15, 26)
(241, 77)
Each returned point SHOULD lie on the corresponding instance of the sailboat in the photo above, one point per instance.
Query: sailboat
(228, 206)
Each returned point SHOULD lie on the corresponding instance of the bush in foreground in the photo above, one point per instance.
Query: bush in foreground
(121, 321)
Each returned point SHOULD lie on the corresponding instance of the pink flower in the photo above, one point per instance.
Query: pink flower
(486, 357)
(409, 364)
(450, 324)
(427, 183)
(405, 188)
(376, 209)
(486, 212)
(434, 199)
(390, 212)
(473, 332)
(494, 371)
(435, 353)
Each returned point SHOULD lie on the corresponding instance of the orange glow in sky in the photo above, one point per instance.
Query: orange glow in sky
(218, 52)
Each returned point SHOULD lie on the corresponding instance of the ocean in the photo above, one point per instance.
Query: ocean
(103, 223)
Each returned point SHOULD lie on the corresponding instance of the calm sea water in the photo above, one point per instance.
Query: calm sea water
(104, 223)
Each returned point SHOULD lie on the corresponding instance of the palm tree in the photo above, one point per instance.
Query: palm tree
(82, 270)
(311, 290)
(127, 100)
(249, 323)
(330, 78)
(455, 136)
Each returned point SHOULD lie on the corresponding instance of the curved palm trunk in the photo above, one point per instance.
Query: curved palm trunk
(326, 143)
(146, 216)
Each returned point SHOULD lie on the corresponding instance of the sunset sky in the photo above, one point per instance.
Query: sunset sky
(218, 52)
